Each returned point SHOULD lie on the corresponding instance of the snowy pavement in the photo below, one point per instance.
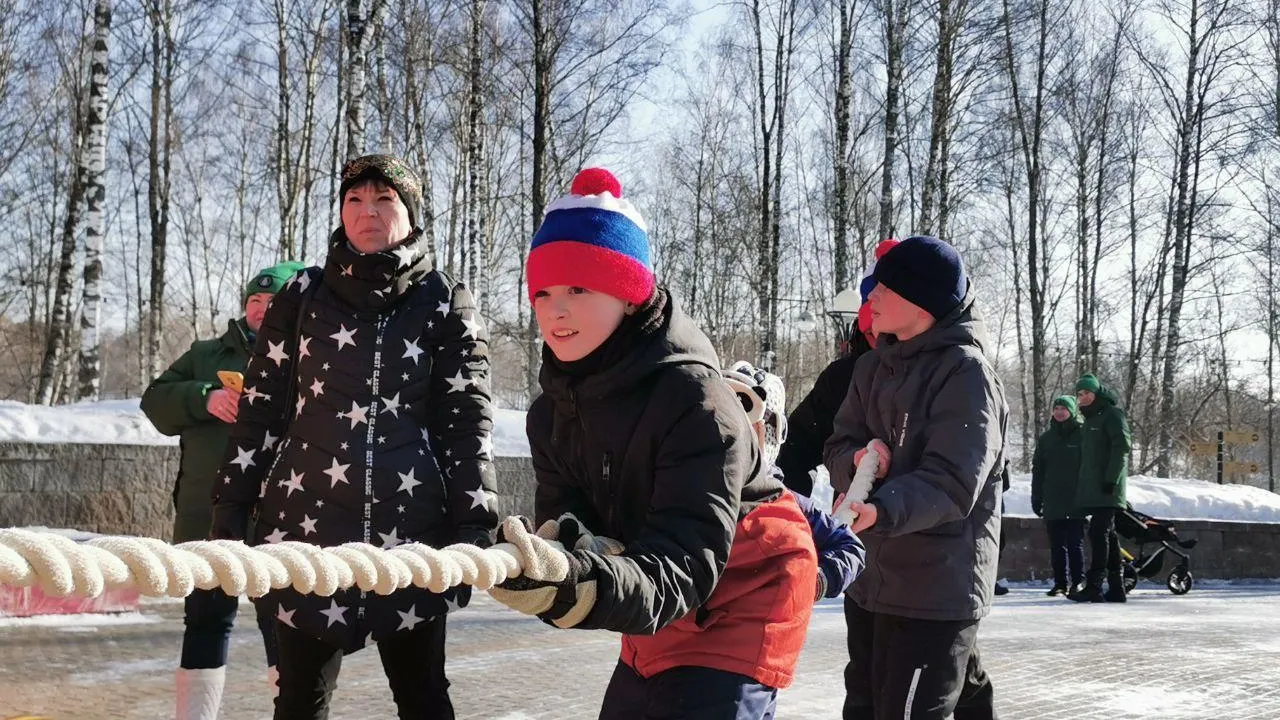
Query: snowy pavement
(1214, 653)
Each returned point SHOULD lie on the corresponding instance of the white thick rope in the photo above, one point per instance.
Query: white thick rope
(859, 488)
(61, 567)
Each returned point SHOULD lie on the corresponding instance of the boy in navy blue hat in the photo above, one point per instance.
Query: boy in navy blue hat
(928, 402)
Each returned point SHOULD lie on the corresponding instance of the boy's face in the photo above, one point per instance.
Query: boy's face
(1085, 398)
(893, 314)
(574, 320)
(1060, 413)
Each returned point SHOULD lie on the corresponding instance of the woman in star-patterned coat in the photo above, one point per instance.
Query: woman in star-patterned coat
(386, 439)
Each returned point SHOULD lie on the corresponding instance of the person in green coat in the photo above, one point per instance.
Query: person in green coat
(1104, 460)
(189, 401)
(1055, 475)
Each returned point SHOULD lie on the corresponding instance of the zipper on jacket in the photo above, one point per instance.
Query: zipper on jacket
(606, 472)
(367, 518)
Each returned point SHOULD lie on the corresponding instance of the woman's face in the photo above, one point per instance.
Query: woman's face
(374, 218)
(1060, 413)
(255, 308)
(574, 320)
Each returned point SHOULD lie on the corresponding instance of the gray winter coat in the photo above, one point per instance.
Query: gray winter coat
(937, 403)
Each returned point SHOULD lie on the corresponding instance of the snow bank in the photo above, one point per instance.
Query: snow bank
(1174, 499)
(120, 422)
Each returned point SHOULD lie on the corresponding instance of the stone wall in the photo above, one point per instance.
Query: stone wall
(1225, 550)
(125, 489)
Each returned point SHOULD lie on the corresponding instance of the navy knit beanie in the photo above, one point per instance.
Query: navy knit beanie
(926, 272)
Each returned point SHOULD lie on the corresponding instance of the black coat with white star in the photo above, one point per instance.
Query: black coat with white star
(390, 439)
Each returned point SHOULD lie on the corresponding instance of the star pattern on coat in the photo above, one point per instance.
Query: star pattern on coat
(479, 498)
(334, 613)
(317, 387)
(286, 616)
(408, 482)
(344, 336)
(392, 405)
(411, 350)
(276, 536)
(251, 394)
(308, 525)
(304, 348)
(337, 473)
(471, 328)
(244, 458)
(275, 351)
(293, 483)
(458, 383)
(357, 414)
(389, 540)
(408, 620)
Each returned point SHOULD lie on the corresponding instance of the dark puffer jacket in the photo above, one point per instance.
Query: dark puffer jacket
(390, 436)
(1055, 470)
(651, 447)
(809, 425)
(937, 403)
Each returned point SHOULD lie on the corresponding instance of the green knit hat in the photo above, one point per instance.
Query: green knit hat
(1088, 382)
(1067, 402)
(271, 279)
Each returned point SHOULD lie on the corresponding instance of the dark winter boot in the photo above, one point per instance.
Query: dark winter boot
(1092, 591)
(1001, 589)
(1115, 588)
(1057, 590)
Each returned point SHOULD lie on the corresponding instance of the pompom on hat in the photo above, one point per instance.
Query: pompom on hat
(869, 283)
(594, 239)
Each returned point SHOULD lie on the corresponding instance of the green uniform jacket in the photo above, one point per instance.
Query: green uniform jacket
(1104, 454)
(175, 404)
(1055, 470)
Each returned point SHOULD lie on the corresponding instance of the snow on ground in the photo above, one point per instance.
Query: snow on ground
(80, 622)
(120, 422)
(1174, 499)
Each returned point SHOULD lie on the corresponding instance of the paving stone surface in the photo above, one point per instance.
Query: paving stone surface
(1214, 653)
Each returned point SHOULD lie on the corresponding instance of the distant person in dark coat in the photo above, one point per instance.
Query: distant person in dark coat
(1055, 475)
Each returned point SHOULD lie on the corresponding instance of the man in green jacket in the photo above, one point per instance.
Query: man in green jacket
(188, 400)
(1055, 475)
(1104, 459)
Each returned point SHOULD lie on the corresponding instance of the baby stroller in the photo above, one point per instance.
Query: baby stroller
(1146, 530)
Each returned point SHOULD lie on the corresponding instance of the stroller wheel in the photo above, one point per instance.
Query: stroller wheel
(1180, 580)
(1130, 577)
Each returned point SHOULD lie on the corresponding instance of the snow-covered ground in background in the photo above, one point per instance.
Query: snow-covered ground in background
(120, 422)
(1174, 499)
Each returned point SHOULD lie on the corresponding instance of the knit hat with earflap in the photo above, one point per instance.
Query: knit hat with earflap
(390, 171)
(764, 398)
(593, 239)
(271, 279)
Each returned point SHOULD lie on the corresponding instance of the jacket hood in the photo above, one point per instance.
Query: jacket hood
(962, 326)
(373, 282)
(1103, 399)
(672, 339)
(237, 336)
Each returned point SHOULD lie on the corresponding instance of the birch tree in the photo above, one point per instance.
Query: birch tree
(94, 161)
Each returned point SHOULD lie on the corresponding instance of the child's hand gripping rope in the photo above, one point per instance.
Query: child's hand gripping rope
(851, 507)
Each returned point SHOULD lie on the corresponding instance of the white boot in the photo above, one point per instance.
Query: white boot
(199, 693)
(273, 680)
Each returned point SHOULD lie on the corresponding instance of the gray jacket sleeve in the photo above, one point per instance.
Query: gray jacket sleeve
(962, 440)
(849, 434)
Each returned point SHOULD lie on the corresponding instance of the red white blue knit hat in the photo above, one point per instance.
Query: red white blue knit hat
(593, 239)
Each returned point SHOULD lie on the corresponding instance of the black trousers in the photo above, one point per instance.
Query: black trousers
(208, 616)
(909, 669)
(1066, 550)
(686, 693)
(1104, 545)
(413, 661)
